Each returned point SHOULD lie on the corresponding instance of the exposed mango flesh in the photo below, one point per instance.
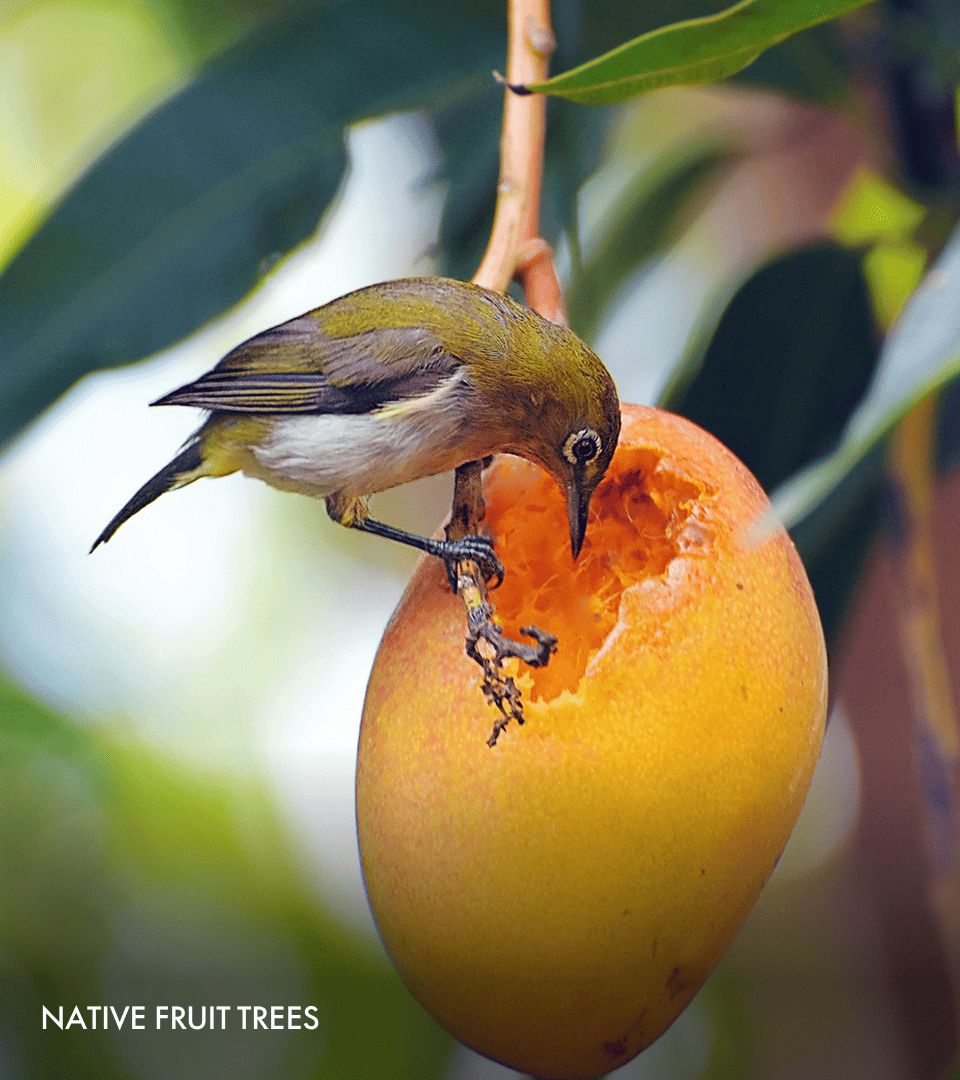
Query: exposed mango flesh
(643, 518)
(556, 900)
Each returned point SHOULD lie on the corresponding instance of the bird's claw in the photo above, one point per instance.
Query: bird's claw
(499, 689)
(477, 549)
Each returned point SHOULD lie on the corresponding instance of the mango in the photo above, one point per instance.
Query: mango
(556, 900)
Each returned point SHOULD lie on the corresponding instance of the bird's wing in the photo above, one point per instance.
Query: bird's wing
(299, 368)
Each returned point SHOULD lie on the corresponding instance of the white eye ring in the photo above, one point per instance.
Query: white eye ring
(585, 435)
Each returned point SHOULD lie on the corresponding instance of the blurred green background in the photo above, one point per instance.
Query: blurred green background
(178, 715)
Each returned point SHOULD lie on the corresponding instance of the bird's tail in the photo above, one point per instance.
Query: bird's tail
(186, 467)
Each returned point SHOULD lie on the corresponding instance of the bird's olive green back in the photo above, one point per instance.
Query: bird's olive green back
(397, 341)
(387, 342)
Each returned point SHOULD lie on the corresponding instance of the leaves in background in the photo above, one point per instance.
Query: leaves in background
(644, 221)
(468, 131)
(200, 30)
(920, 355)
(573, 153)
(776, 384)
(172, 225)
(948, 428)
(28, 727)
(792, 355)
(920, 70)
(592, 27)
(124, 869)
(835, 538)
(695, 51)
(811, 66)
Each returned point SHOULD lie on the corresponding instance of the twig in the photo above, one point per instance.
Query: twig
(515, 249)
(517, 216)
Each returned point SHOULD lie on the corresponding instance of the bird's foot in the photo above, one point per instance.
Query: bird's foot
(489, 647)
(475, 548)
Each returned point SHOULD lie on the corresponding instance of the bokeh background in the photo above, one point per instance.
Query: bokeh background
(179, 712)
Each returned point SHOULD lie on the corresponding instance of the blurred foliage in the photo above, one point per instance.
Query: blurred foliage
(919, 356)
(174, 223)
(810, 67)
(948, 432)
(921, 57)
(640, 226)
(129, 878)
(469, 161)
(791, 356)
(202, 30)
(775, 383)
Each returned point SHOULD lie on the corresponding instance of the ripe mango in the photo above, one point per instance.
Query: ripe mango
(556, 900)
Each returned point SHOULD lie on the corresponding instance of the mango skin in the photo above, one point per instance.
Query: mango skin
(557, 900)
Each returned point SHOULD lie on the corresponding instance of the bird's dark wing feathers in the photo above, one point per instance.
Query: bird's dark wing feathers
(296, 368)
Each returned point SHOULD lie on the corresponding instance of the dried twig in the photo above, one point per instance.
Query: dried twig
(515, 249)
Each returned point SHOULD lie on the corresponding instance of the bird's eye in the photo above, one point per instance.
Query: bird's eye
(581, 447)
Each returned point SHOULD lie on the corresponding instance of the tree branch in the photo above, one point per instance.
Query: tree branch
(517, 217)
(515, 249)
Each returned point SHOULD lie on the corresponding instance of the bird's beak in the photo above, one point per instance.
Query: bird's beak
(578, 506)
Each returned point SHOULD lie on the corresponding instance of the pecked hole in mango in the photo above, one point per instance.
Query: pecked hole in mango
(644, 515)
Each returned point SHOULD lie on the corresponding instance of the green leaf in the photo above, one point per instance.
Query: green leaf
(920, 355)
(173, 224)
(468, 131)
(792, 355)
(812, 66)
(691, 52)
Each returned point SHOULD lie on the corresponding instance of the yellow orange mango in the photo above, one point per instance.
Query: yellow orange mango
(557, 899)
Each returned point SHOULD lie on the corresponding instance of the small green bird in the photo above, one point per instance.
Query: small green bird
(393, 382)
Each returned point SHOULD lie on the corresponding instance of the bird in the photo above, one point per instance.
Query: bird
(393, 382)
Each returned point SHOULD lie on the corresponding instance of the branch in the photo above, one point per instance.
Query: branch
(516, 220)
(515, 249)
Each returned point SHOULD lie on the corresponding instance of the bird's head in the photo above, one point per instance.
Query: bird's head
(574, 426)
